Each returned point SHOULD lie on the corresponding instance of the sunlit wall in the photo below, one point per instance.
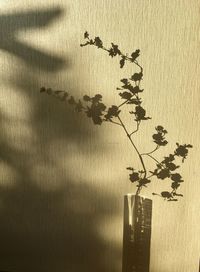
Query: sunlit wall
(62, 178)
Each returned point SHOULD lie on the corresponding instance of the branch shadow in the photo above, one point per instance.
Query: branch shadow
(11, 24)
(47, 230)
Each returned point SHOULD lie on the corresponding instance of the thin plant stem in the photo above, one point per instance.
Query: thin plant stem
(134, 146)
(114, 122)
(138, 125)
(152, 158)
(120, 105)
(148, 153)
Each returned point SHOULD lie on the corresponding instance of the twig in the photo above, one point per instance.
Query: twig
(139, 155)
(148, 153)
(152, 158)
(123, 103)
(114, 122)
(138, 125)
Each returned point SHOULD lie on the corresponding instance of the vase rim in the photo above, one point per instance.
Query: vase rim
(132, 194)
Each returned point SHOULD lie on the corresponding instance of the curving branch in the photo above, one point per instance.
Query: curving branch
(95, 109)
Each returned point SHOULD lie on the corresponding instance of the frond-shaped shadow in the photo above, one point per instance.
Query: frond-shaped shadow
(11, 24)
(49, 230)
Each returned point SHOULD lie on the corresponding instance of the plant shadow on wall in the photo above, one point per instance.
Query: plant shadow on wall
(130, 93)
(46, 230)
(14, 23)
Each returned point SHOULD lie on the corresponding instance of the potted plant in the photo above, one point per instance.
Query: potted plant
(137, 209)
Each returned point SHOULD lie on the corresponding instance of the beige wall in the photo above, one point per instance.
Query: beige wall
(63, 179)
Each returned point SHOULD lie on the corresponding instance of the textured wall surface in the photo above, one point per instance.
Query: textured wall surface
(62, 178)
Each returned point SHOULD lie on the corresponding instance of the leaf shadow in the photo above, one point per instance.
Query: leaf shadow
(11, 24)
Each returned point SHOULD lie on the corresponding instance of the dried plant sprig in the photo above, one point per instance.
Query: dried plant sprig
(130, 92)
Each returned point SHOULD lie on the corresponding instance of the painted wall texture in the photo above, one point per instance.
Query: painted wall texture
(62, 178)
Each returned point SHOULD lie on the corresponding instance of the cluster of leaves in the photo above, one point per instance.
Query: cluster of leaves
(65, 97)
(96, 108)
(92, 106)
(130, 88)
(159, 137)
(137, 176)
(130, 92)
(182, 150)
(113, 50)
(167, 166)
(165, 169)
(113, 111)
